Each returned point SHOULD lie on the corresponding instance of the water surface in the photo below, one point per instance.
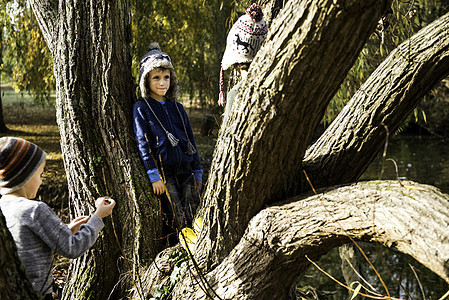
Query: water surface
(421, 159)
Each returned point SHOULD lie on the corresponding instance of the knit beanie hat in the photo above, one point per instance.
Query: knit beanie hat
(154, 59)
(19, 160)
(244, 40)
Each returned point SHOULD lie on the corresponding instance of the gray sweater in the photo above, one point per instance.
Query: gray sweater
(39, 233)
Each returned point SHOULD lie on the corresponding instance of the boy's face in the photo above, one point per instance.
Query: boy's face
(32, 186)
(159, 83)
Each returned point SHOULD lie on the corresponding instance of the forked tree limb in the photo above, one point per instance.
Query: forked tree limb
(412, 218)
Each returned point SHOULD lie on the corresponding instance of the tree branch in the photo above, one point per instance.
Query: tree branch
(412, 218)
(354, 138)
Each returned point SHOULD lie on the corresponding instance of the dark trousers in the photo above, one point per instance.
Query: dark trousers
(179, 208)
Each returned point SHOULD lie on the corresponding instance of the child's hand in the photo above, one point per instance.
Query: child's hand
(158, 187)
(74, 226)
(197, 185)
(104, 207)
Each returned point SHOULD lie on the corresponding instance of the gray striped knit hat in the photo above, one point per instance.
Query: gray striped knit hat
(19, 160)
(154, 59)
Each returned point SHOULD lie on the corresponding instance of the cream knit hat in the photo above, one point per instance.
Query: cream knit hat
(154, 59)
(244, 40)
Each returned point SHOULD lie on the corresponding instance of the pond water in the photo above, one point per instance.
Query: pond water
(421, 159)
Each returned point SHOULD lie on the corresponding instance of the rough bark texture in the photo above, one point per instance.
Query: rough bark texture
(354, 138)
(14, 284)
(409, 217)
(271, 9)
(309, 49)
(90, 44)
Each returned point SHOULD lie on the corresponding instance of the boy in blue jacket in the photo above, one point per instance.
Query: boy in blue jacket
(165, 140)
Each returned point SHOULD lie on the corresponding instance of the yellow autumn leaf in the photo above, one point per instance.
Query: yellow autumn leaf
(188, 238)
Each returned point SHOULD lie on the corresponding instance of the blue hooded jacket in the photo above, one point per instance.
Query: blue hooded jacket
(161, 149)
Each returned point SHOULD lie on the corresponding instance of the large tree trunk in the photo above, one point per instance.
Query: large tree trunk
(279, 241)
(309, 49)
(383, 102)
(90, 45)
(13, 282)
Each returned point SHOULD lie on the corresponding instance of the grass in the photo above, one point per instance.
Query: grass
(37, 123)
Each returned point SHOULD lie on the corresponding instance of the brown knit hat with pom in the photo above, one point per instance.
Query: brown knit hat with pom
(19, 160)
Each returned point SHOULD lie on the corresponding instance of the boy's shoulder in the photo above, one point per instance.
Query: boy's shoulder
(20, 205)
(139, 102)
(12, 200)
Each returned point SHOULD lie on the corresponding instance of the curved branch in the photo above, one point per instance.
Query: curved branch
(267, 262)
(354, 138)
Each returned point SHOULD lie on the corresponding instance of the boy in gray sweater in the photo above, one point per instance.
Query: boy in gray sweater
(37, 230)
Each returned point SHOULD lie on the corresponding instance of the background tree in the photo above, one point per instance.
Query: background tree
(27, 58)
(3, 22)
(258, 157)
(192, 32)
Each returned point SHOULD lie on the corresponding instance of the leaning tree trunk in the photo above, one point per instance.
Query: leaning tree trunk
(14, 285)
(309, 49)
(90, 45)
(383, 102)
(280, 241)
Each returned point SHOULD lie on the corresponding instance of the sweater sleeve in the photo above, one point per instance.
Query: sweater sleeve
(141, 127)
(153, 174)
(59, 237)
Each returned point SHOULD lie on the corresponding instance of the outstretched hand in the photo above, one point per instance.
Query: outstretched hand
(74, 226)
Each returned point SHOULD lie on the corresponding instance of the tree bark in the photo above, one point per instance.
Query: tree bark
(383, 102)
(13, 281)
(90, 45)
(271, 9)
(310, 47)
(276, 248)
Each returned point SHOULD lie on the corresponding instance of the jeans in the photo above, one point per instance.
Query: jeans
(181, 201)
